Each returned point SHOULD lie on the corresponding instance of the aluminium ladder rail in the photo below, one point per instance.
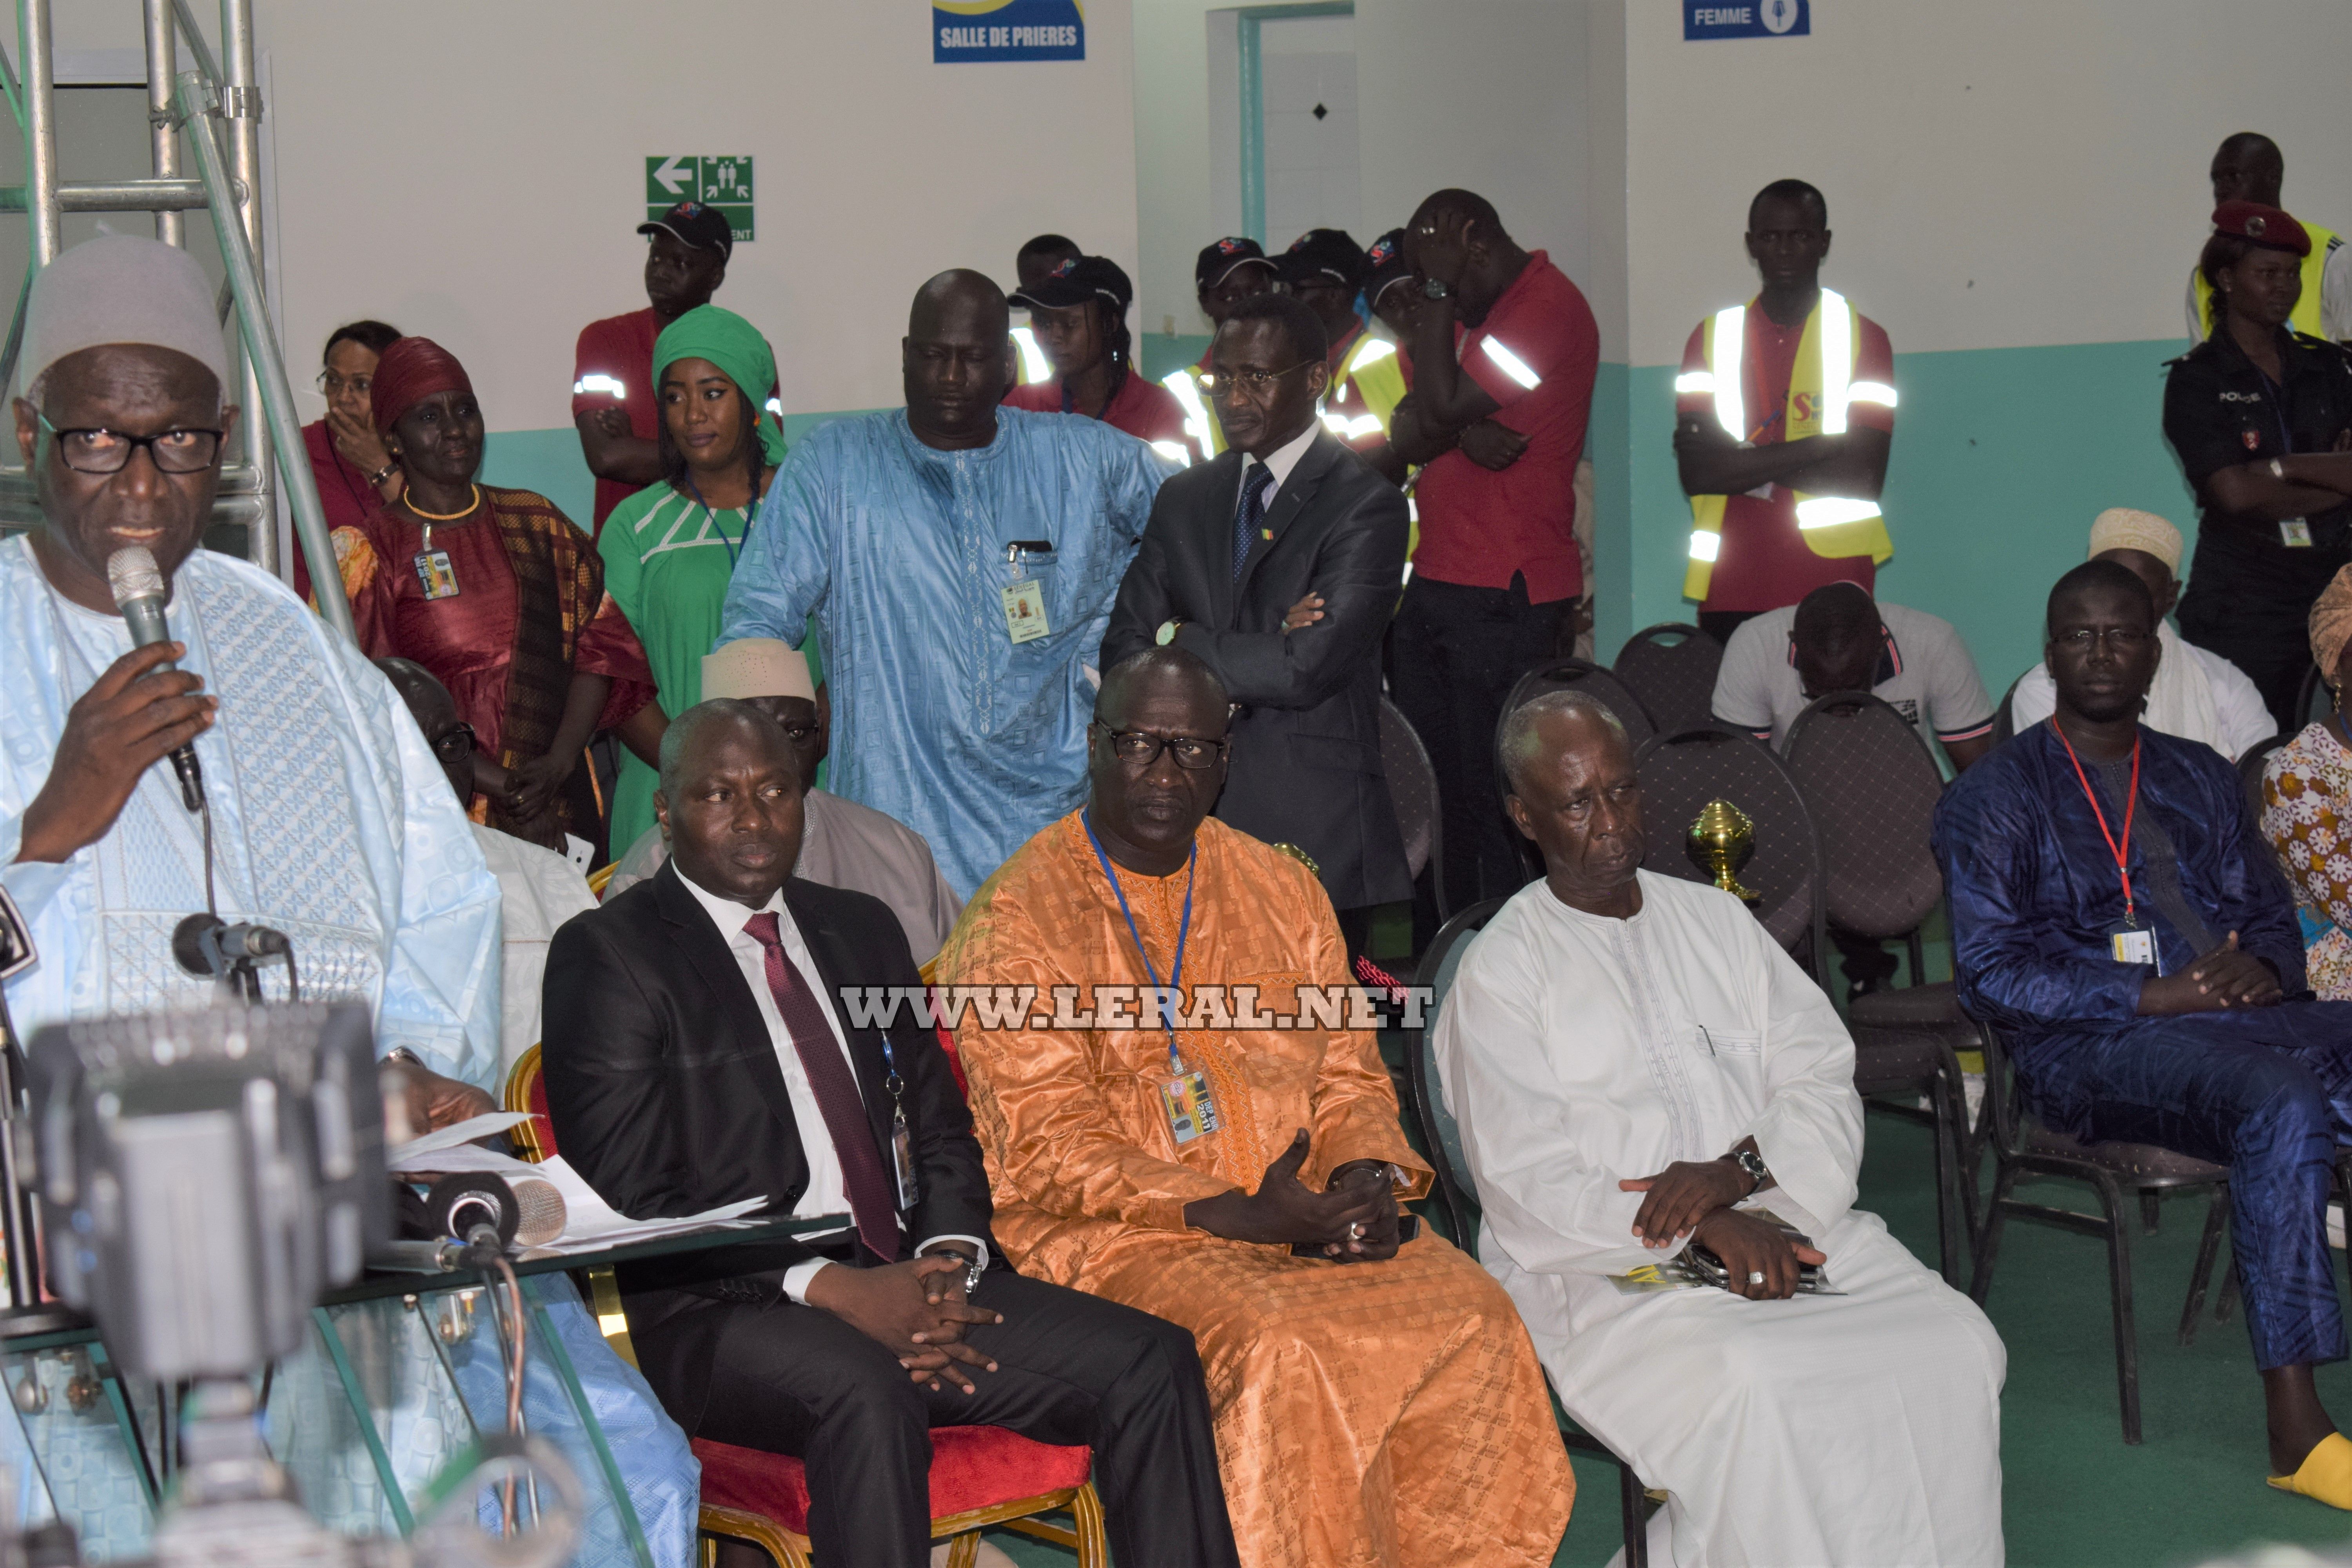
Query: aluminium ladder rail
(221, 115)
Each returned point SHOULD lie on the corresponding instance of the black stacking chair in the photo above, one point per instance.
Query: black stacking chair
(2021, 1146)
(1441, 1135)
(1567, 675)
(1412, 789)
(1671, 669)
(1680, 772)
(1871, 786)
(2312, 699)
(2250, 774)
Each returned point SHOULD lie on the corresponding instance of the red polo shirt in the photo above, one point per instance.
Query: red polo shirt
(621, 349)
(1764, 561)
(1143, 408)
(1479, 528)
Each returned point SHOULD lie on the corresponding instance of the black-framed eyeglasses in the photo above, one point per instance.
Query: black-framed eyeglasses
(96, 450)
(1141, 749)
(455, 744)
(331, 383)
(1256, 383)
(2123, 639)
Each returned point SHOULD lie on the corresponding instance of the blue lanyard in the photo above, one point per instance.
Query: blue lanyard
(1183, 930)
(712, 513)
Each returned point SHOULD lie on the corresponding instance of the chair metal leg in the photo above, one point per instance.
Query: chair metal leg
(1633, 1507)
(1989, 1240)
(2119, 1278)
(1950, 1131)
(2208, 1246)
(2151, 1211)
(2228, 1301)
(1918, 958)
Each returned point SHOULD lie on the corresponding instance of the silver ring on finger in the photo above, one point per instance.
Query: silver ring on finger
(1756, 1276)
(1355, 1233)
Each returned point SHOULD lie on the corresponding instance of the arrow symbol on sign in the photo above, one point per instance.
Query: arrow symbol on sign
(672, 178)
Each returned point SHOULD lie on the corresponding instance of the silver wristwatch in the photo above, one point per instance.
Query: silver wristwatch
(972, 1270)
(1750, 1160)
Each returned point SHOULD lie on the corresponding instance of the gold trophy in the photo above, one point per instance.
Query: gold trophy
(1720, 842)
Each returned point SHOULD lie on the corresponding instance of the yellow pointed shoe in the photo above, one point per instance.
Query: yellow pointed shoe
(2326, 1473)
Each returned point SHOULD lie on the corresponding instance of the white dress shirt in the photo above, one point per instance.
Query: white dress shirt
(1279, 462)
(827, 1191)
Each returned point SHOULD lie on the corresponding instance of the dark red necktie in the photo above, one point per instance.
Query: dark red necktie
(830, 1080)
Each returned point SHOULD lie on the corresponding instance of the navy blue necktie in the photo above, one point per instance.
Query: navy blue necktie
(1250, 513)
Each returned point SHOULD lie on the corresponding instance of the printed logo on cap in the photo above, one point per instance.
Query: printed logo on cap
(1382, 251)
(1067, 266)
(1229, 244)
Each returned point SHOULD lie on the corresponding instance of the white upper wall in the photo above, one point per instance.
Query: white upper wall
(474, 173)
(1999, 174)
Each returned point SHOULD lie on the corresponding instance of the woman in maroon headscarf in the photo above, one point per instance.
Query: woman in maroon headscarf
(498, 595)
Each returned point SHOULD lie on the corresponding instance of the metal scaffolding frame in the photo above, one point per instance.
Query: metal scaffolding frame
(221, 114)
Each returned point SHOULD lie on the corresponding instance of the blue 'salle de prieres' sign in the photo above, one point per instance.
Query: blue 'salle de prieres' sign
(965, 30)
(1747, 18)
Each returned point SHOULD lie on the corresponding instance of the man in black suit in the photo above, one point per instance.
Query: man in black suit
(1278, 564)
(696, 1054)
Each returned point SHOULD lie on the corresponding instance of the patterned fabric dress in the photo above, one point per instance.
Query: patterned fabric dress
(2307, 800)
(1385, 1413)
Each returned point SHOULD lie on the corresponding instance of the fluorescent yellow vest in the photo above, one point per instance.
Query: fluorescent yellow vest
(1821, 389)
(2306, 319)
(1365, 390)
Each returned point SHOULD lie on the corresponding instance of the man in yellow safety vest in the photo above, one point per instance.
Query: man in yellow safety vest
(1033, 265)
(1226, 272)
(2248, 167)
(1784, 415)
(1326, 271)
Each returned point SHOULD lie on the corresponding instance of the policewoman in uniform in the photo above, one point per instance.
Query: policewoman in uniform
(2262, 419)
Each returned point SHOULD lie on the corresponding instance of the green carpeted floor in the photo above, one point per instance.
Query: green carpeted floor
(2075, 1496)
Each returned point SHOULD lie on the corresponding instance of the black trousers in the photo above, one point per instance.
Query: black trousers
(1071, 1369)
(1455, 652)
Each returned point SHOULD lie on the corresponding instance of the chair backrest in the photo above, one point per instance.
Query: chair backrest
(1680, 773)
(1871, 786)
(1580, 675)
(2313, 699)
(1413, 786)
(2004, 723)
(526, 1090)
(1671, 667)
(1440, 1133)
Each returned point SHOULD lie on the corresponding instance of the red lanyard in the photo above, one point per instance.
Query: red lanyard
(2122, 852)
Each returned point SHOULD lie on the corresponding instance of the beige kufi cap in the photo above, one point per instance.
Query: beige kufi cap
(2121, 527)
(757, 667)
(121, 289)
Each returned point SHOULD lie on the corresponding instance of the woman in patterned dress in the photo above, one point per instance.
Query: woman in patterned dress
(2307, 807)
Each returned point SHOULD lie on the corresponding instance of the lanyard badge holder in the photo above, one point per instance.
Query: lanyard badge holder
(435, 574)
(902, 1141)
(1184, 1093)
(2129, 942)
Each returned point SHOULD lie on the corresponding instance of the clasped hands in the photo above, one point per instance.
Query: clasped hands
(1694, 1199)
(2229, 976)
(916, 1308)
(1353, 1219)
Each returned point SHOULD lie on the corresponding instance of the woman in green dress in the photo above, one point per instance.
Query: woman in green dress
(669, 549)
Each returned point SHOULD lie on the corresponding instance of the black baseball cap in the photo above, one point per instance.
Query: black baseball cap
(1324, 256)
(1218, 261)
(1078, 280)
(1388, 265)
(692, 224)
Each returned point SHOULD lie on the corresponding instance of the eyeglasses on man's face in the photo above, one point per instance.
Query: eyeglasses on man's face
(2122, 640)
(1254, 384)
(455, 744)
(1139, 749)
(92, 449)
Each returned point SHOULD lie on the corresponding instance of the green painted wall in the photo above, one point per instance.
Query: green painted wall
(2003, 456)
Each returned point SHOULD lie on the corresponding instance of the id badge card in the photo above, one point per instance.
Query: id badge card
(2134, 944)
(2295, 532)
(438, 577)
(1191, 1112)
(1024, 610)
(902, 1162)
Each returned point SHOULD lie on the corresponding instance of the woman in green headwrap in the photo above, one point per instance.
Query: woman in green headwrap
(669, 549)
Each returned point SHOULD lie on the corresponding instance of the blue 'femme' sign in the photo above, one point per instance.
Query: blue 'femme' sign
(1747, 18)
(963, 30)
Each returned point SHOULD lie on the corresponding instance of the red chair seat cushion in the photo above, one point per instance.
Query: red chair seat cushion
(971, 1467)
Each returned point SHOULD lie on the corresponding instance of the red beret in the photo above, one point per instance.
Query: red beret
(2251, 221)
(410, 371)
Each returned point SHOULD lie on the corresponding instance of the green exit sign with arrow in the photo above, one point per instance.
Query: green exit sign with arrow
(724, 184)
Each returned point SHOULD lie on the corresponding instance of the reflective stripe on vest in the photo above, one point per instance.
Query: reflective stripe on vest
(1035, 367)
(1197, 424)
(1831, 526)
(2306, 317)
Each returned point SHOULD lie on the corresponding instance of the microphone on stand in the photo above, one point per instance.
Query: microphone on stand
(140, 593)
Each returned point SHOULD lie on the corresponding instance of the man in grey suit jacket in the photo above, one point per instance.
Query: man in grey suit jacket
(1280, 563)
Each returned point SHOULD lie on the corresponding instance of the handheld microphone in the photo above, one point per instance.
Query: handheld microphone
(139, 594)
(206, 945)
